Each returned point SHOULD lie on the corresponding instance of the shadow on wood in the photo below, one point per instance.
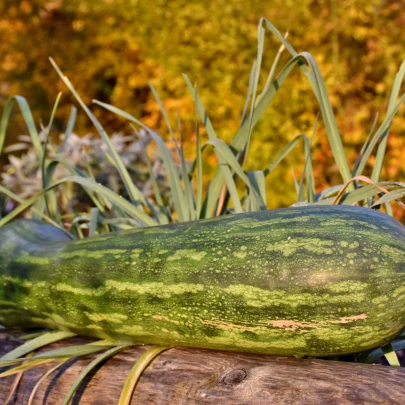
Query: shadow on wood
(190, 376)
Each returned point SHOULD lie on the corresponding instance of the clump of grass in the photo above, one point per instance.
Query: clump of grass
(181, 196)
(84, 156)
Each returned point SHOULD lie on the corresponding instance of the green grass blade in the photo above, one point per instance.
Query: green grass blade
(47, 133)
(133, 377)
(36, 343)
(188, 187)
(76, 227)
(220, 187)
(42, 379)
(309, 170)
(213, 194)
(270, 90)
(89, 368)
(249, 93)
(378, 135)
(354, 180)
(29, 121)
(69, 128)
(43, 160)
(14, 387)
(39, 206)
(199, 173)
(94, 215)
(308, 174)
(119, 223)
(359, 194)
(285, 151)
(141, 216)
(173, 178)
(8, 363)
(179, 149)
(256, 75)
(263, 101)
(53, 207)
(164, 114)
(328, 192)
(188, 193)
(300, 188)
(280, 37)
(225, 156)
(315, 78)
(41, 215)
(162, 216)
(384, 139)
(270, 77)
(257, 182)
(32, 335)
(218, 181)
(54, 354)
(74, 351)
(297, 187)
(230, 183)
(49, 172)
(216, 186)
(24, 367)
(391, 196)
(319, 88)
(200, 108)
(135, 194)
(258, 65)
(364, 147)
(389, 210)
(329, 120)
(123, 114)
(391, 355)
(100, 203)
(172, 173)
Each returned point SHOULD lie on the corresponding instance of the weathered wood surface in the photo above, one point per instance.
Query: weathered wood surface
(187, 376)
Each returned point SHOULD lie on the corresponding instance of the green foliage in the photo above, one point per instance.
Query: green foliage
(115, 48)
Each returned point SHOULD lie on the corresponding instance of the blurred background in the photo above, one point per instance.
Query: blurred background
(112, 49)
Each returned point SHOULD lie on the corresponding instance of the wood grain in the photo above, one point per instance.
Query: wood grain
(189, 376)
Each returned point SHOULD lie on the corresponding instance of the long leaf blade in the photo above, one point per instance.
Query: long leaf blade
(29, 121)
(134, 193)
(89, 368)
(36, 343)
(134, 375)
(141, 216)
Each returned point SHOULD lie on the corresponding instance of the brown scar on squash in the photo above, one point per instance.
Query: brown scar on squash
(286, 324)
(165, 318)
(227, 325)
(347, 319)
(293, 325)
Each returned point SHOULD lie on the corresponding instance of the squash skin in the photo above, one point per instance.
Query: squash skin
(302, 281)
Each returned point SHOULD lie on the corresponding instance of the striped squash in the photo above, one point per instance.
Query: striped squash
(305, 281)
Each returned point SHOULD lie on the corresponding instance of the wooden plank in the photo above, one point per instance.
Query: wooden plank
(190, 376)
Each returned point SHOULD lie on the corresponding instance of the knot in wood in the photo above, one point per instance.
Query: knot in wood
(233, 377)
